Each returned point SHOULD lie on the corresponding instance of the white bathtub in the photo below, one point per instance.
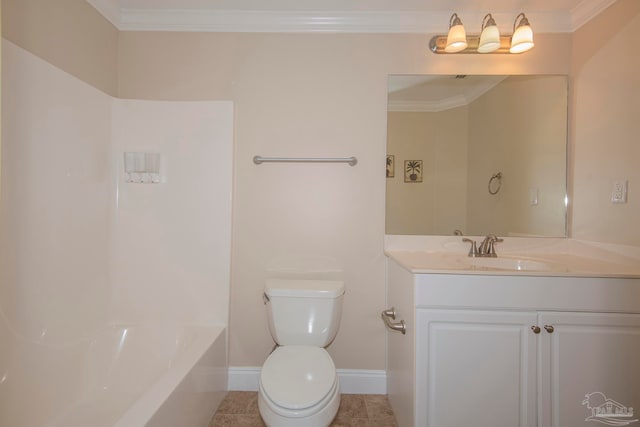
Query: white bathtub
(127, 376)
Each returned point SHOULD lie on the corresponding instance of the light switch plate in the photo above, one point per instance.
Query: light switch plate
(619, 192)
(533, 196)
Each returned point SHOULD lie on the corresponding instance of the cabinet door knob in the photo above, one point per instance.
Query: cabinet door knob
(535, 329)
(549, 328)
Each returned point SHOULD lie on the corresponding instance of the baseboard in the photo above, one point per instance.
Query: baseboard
(361, 381)
(352, 381)
(244, 378)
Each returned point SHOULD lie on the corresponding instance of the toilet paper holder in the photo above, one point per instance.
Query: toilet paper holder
(390, 314)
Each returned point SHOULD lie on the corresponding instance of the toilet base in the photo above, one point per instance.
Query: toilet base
(322, 418)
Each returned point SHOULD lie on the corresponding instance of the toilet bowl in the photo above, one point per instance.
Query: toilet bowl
(298, 387)
(298, 383)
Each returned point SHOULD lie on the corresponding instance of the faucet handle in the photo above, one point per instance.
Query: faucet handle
(491, 250)
(473, 251)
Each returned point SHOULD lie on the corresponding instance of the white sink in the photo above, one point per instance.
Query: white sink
(508, 263)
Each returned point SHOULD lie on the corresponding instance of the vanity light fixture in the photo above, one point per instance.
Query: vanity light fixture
(457, 37)
(489, 40)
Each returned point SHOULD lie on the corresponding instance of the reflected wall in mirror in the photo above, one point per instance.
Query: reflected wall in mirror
(466, 130)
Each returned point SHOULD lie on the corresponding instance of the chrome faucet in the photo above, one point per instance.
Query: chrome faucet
(486, 248)
(473, 250)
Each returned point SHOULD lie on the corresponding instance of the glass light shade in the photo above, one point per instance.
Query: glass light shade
(489, 39)
(522, 39)
(457, 39)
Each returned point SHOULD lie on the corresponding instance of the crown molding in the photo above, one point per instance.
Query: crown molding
(109, 9)
(443, 104)
(255, 21)
(586, 10)
(427, 106)
(321, 21)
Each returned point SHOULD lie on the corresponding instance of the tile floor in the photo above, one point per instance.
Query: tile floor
(240, 408)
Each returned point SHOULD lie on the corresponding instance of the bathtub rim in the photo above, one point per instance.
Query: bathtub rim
(145, 407)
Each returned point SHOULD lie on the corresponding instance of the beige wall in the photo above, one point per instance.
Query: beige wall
(526, 142)
(306, 95)
(0, 102)
(69, 34)
(438, 204)
(606, 84)
(295, 94)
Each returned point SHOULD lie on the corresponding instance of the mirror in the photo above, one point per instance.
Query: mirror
(477, 155)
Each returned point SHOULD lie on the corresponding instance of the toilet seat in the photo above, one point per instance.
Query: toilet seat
(298, 381)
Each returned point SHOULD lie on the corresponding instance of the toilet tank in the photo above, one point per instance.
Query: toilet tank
(303, 312)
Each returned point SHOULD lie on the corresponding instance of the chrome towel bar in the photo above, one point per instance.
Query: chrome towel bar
(259, 160)
(389, 314)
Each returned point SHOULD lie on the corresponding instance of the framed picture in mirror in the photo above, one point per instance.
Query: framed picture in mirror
(391, 166)
(413, 171)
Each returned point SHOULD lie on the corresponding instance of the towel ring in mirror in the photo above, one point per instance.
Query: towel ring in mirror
(495, 182)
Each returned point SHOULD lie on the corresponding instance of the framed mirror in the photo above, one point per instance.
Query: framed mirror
(491, 153)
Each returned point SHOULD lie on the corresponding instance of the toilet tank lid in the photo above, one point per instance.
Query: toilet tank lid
(304, 288)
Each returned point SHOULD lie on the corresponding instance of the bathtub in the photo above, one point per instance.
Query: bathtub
(126, 376)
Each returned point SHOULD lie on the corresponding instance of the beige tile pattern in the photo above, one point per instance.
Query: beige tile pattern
(240, 408)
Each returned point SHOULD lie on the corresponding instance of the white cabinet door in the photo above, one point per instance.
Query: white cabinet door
(475, 368)
(590, 369)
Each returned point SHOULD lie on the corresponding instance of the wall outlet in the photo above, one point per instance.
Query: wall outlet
(619, 192)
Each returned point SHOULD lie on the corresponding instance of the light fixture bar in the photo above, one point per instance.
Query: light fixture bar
(438, 43)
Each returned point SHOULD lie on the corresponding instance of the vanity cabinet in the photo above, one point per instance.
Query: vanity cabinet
(504, 368)
(493, 351)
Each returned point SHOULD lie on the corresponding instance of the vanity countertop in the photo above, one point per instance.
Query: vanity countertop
(516, 256)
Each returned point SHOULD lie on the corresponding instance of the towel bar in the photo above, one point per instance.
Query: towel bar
(259, 160)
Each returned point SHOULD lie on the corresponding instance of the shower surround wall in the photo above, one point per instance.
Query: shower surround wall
(171, 242)
(55, 203)
(80, 250)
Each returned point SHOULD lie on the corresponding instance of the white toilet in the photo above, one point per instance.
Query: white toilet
(298, 382)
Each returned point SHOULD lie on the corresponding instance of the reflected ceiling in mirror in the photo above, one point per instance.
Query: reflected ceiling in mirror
(491, 153)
